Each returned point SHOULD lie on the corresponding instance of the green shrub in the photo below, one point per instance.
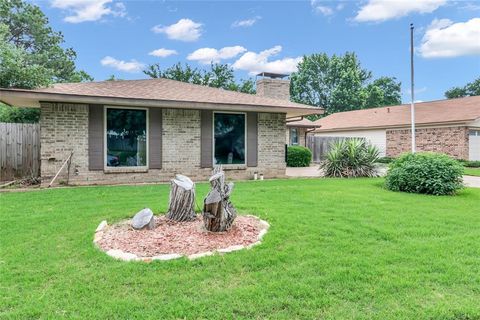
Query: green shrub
(385, 160)
(351, 158)
(471, 164)
(428, 173)
(298, 156)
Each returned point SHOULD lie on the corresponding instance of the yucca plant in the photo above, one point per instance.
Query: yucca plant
(351, 158)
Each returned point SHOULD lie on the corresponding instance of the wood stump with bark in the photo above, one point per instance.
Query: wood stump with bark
(182, 199)
(218, 211)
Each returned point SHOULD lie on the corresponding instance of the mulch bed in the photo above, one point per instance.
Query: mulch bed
(185, 238)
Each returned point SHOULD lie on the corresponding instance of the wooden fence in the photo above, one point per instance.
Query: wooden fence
(321, 145)
(19, 151)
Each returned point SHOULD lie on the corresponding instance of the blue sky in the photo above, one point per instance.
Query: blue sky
(121, 37)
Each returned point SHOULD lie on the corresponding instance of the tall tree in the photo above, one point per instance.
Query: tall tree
(384, 91)
(339, 83)
(470, 89)
(38, 44)
(16, 68)
(31, 55)
(218, 76)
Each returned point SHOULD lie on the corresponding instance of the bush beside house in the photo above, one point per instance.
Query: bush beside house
(427, 173)
(298, 156)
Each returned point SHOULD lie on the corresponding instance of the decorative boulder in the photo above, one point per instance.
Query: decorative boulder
(143, 219)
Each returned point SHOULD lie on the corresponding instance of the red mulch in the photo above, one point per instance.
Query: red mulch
(184, 238)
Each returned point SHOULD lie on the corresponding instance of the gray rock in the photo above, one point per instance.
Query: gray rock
(143, 219)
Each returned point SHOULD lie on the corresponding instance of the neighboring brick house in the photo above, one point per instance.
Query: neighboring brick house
(149, 130)
(446, 126)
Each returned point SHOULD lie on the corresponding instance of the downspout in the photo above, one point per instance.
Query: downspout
(306, 133)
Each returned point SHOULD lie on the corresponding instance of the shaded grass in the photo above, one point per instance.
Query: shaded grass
(343, 249)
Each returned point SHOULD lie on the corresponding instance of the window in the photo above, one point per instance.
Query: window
(126, 137)
(293, 136)
(474, 133)
(229, 138)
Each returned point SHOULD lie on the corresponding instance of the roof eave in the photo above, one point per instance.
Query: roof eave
(29, 98)
(424, 124)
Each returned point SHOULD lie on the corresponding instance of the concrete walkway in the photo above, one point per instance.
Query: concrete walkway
(471, 181)
(314, 171)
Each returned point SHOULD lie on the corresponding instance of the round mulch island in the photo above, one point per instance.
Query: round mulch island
(171, 240)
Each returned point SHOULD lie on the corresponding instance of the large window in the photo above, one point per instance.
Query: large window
(229, 142)
(126, 139)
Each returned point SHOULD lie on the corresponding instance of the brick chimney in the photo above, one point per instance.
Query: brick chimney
(273, 85)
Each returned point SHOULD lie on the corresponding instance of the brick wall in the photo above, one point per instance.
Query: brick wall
(302, 132)
(64, 127)
(274, 88)
(450, 140)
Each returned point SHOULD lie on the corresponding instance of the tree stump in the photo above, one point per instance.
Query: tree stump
(182, 199)
(218, 211)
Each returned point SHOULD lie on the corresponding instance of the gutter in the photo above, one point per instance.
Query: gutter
(402, 126)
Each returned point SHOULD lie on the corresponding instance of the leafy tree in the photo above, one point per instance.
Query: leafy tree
(113, 78)
(219, 76)
(339, 83)
(384, 91)
(19, 115)
(38, 45)
(470, 89)
(31, 55)
(16, 69)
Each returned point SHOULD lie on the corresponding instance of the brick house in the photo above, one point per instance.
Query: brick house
(447, 126)
(298, 130)
(149, 130)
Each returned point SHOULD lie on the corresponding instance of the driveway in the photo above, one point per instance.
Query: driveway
(314, 171)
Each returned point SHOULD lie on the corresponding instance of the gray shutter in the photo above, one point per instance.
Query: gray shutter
(95, 137)
(155, 138)
(206, 139)
(252, 139)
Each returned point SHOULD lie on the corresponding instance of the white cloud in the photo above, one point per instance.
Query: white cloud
(208, 55)
(132, 66)
(444, 39)
(183, 30)
(382, 10)
(319, 6)
(326, 7)
(245, 23)
(163, 53)
(255, 63)
(89, 10)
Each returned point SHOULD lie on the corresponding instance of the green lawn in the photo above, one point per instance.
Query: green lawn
(472, 172)
(336, 249)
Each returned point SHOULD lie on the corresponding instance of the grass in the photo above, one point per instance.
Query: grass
(472, 171)
(336, 249)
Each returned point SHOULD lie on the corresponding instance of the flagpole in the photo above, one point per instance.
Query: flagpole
(412, 89)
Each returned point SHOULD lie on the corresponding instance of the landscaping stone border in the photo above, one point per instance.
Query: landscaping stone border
(126, 256)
